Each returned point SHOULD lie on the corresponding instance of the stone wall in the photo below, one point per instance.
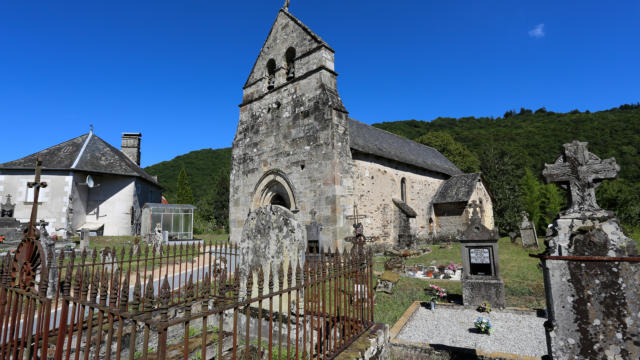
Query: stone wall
(296, 132)
(377, 183)
(451, 218)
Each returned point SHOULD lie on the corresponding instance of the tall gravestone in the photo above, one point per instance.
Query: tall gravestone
(528, 233)
(591, 273)
(481, 281)
(271, 236)
(9, 226)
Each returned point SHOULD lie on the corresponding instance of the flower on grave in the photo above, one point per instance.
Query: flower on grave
(452, 267)
(437, 290)
(484, 325)
(485, 307)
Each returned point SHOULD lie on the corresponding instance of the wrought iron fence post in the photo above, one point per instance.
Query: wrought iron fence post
(164, 297)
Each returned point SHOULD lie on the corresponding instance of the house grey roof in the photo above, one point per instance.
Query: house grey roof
(458, 188)
(87, 153)
(370, 140)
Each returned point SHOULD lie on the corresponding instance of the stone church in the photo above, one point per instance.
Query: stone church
(297, 146)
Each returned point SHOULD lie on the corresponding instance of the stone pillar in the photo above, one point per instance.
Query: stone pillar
(84, 239)
(481, 281)
(591, 269)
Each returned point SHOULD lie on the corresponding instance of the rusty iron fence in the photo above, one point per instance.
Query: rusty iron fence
(192, 301)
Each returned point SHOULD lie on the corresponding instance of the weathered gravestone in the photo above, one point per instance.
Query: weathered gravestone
(591, 269)
(84, 239)
(528, 233)
(9, 226)
(271, 237)
(481, 281)
(313, 234)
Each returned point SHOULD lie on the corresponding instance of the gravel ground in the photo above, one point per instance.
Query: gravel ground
(513, 333)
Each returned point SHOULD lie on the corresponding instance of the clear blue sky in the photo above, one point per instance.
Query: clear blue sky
(174, 70)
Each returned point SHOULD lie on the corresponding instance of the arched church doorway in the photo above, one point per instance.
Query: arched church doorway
(274, 189)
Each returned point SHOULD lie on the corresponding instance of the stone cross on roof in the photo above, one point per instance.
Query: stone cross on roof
(286, 5)
(582, 171)
(475, 215)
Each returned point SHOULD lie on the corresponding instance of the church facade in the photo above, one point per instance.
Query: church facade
(296, 146)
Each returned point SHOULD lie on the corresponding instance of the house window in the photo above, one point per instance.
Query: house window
(271, 74)
(290, 57)
(42, 196)
(403, 189)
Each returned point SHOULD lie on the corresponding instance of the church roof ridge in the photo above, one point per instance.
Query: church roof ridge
(371, 140)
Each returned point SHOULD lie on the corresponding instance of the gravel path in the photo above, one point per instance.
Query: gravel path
(513, 333)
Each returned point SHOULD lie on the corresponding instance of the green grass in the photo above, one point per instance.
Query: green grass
(635, 235)
(522, 277)
(222, 238)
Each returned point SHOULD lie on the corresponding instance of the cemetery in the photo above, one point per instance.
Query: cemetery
(338, 240)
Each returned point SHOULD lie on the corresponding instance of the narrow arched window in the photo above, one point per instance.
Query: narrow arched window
(403, 189)
(290, 57)
(271, 74)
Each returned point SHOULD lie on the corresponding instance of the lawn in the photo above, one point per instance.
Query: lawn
(522, 277)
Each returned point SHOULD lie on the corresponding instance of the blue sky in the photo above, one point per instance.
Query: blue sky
(174, 70)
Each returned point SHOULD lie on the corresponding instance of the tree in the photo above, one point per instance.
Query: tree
(501, 175)
(553, 201)
(452, 150)
(531, 196)
(184, 195)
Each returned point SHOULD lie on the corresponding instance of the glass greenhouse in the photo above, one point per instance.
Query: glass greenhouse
(177, 219)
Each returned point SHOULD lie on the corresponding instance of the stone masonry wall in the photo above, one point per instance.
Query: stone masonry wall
(299, 130)
(377, 182)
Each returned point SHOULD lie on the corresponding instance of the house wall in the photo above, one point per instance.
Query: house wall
(377, 182)
(481, 195)
(53, 200)
(109, 203)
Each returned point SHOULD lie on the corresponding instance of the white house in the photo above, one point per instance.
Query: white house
(90, 185)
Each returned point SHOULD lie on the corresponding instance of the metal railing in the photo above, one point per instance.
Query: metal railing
(185, 302)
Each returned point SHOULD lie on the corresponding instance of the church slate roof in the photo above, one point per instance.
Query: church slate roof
(370, 140)
(87, 153)
(458, 188)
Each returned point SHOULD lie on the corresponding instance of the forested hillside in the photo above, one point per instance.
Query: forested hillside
(207, 178)
(510, 151)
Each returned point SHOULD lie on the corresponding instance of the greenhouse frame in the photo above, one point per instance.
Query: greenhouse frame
(176, 219)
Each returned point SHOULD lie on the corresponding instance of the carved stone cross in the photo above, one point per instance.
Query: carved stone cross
(582, 171)
(475, 207)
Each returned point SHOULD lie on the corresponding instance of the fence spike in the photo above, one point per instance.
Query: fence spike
(249, 284)
(104, 288)
(85, 283)
(124, 294)
(95, 283)
(188, 294)
(137, 290)
(77, 284)
(270, 279)
(66, 286)
(206, 284)
(236, 282)
(281, 275)
(148, 295)
(165, 292)
(298, 275)
(222, 287)
(260, 280)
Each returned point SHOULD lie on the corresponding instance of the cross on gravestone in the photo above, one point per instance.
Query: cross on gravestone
(582, 171)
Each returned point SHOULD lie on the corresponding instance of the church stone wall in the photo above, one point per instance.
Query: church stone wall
(377, 183)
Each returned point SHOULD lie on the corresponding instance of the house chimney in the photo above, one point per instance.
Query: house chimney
(131, 146)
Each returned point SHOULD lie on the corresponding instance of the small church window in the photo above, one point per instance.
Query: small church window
(290, 57)
(403, 189)
(271, 73)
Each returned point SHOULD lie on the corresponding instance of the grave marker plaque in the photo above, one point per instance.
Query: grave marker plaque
(481, 280)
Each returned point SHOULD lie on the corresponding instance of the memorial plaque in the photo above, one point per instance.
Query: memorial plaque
(480, 261)
(480, 256)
